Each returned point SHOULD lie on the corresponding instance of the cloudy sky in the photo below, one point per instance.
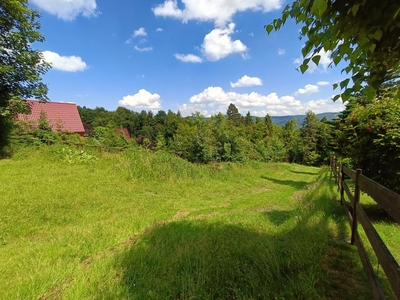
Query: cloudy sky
(186, 55)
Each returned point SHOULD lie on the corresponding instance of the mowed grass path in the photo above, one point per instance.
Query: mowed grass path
(137, 225)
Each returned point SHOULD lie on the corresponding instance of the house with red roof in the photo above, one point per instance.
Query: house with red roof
(60, 116)
(124, 132)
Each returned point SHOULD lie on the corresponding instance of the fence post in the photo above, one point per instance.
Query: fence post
(336, 170)
(341, 184)
(356, 201)
(339, 175)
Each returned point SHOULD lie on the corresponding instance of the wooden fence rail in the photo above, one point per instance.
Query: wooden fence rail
(390, 202)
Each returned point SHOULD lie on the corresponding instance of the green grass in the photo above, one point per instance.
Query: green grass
(389, 232)
(137, 225)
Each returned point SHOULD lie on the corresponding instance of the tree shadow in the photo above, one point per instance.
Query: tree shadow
(298, 185)
(278, 217)
(377, 214)
(211, 259)
(305, 173)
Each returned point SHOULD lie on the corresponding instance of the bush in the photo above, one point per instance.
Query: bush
(370, 138)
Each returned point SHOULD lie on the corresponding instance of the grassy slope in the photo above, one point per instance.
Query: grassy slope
(143, 226)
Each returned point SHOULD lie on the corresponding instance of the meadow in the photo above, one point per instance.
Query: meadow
(76, 224)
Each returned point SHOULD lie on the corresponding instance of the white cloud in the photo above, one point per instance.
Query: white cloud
(322, 83)
(64, 63)
(247, 81)
(188, 58)
(159, 29)
(68, 9)
(145, 49)
(214, 100)
(143, 99)
(218, 44)
(324, 105)
(281, 51)
(323, 65)
(308, 90)
(218, 11)
(140, 32)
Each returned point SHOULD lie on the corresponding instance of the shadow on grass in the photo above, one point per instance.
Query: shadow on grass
(278, 217)
(211, 259)
(377, 214)
(305, 173)
(298, 185)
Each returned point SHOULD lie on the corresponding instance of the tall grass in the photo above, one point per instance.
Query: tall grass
(137, 225)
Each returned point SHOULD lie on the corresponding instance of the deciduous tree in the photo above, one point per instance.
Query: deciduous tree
(362, 33)
(21, 67)
(369, 138)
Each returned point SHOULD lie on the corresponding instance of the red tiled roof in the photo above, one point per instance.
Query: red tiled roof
(125, 132)
(61, 116)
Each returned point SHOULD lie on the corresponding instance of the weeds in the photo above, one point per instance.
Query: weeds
(76, 156)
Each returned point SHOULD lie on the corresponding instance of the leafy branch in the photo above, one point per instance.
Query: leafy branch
(362, 33)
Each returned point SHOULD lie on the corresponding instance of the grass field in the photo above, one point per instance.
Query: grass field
(136, 225)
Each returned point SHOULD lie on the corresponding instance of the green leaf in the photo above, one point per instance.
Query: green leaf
(277, 24)
(303, 68)
(327, 44)
(301, 17)
(336, 59)
(354, 9)
(316, 59)
(396, 14)
(370, 92)
(343, 48)
(344, 83)
(346, 95)
(348, 69)
(335, 86)
(372, 47)
(336, 97)
(377, 35)
(295, 11)
(269, 28)
(319, 7)
(307, 48)
(285, 15)
(357, 87)
(304, 30)
(362, 41)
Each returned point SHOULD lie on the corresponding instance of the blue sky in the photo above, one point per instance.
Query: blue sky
(186, 55)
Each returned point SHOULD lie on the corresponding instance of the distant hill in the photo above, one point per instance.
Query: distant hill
(281, 120)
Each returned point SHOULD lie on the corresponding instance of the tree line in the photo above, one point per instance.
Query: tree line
(229, 137)
(365, 135)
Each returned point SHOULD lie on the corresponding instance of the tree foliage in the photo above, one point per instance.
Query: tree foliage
(21, 66)
(363, 33)
(230, 137)
(368, 136)
(233, 114)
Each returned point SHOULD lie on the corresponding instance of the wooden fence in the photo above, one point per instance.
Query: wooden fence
(390, 202)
